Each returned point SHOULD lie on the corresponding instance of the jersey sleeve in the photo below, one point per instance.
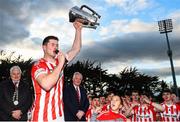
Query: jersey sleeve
(38, 69)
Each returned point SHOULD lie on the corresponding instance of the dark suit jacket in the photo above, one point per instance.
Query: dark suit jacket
(71, 105)
(7, 89)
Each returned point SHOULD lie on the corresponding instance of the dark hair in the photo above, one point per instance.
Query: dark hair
(46, 40)
(127, 92)
(145, 93)
(134, 90)
(167, 90)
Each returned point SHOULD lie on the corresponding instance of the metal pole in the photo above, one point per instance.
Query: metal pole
(169, 52)
(100, 79)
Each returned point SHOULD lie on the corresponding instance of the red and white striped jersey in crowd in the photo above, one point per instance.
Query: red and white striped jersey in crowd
(171, 113)
(48, 105)
(143, 114)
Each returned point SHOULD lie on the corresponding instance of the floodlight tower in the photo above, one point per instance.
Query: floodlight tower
(165, 26)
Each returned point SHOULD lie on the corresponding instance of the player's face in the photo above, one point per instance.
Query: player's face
(102, 99)
(109, 98)
(135, 96)
(141, 99)
(96, 102)
(51, 47)
(166, 96)
(115, 103)
(15, 75)
(174, 97)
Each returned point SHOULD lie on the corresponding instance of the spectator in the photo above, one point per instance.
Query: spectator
(106, 106)
(126, 100)
(94, 104)
(175, 99)
(102, 100)
(75, 99)
(15, 97)
(143, 109)
(172, 110)
(113, 114)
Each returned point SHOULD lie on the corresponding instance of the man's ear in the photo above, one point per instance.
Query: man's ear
(44, 47)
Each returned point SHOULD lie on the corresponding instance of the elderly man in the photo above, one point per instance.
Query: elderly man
(15, 97)
(75, 99)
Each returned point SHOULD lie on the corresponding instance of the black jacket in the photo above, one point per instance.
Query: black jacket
(7, 89)
(71, 105)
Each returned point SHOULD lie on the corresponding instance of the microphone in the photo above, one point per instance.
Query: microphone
(66, 61)
(56, 51)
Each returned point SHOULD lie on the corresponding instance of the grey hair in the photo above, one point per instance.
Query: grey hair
(77, 73)
(15, 67)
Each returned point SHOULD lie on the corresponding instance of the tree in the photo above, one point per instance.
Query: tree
(9, 60)
(96, 80)
(99, 82)
(91, 74)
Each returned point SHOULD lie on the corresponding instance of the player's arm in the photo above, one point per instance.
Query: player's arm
(47, 81)
(158, 107)
(77, 42)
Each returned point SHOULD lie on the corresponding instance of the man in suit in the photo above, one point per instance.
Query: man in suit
(15, 97)
(75, 100)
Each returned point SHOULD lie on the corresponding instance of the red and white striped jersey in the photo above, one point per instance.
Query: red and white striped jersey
(171, 113)
(143, 114)
(48, 105)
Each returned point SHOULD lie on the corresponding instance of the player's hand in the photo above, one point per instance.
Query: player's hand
(77, 24)
(61, 57)
(16, 114)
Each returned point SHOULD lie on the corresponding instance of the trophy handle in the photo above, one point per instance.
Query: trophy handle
(85, 6)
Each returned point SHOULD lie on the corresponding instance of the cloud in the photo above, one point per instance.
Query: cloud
(126, 41)
(16, 17)
(12, 29)
(148, 67)
(141, 46)
(117, 27)
(163, 72)
(131, 7)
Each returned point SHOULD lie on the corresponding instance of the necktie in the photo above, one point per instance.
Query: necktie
(15, 96)
(78, 95)
(16, 85)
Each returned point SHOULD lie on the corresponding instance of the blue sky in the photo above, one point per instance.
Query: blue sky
(127, 36)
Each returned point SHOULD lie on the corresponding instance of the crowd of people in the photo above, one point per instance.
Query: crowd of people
(136, 107)
(54, 101)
